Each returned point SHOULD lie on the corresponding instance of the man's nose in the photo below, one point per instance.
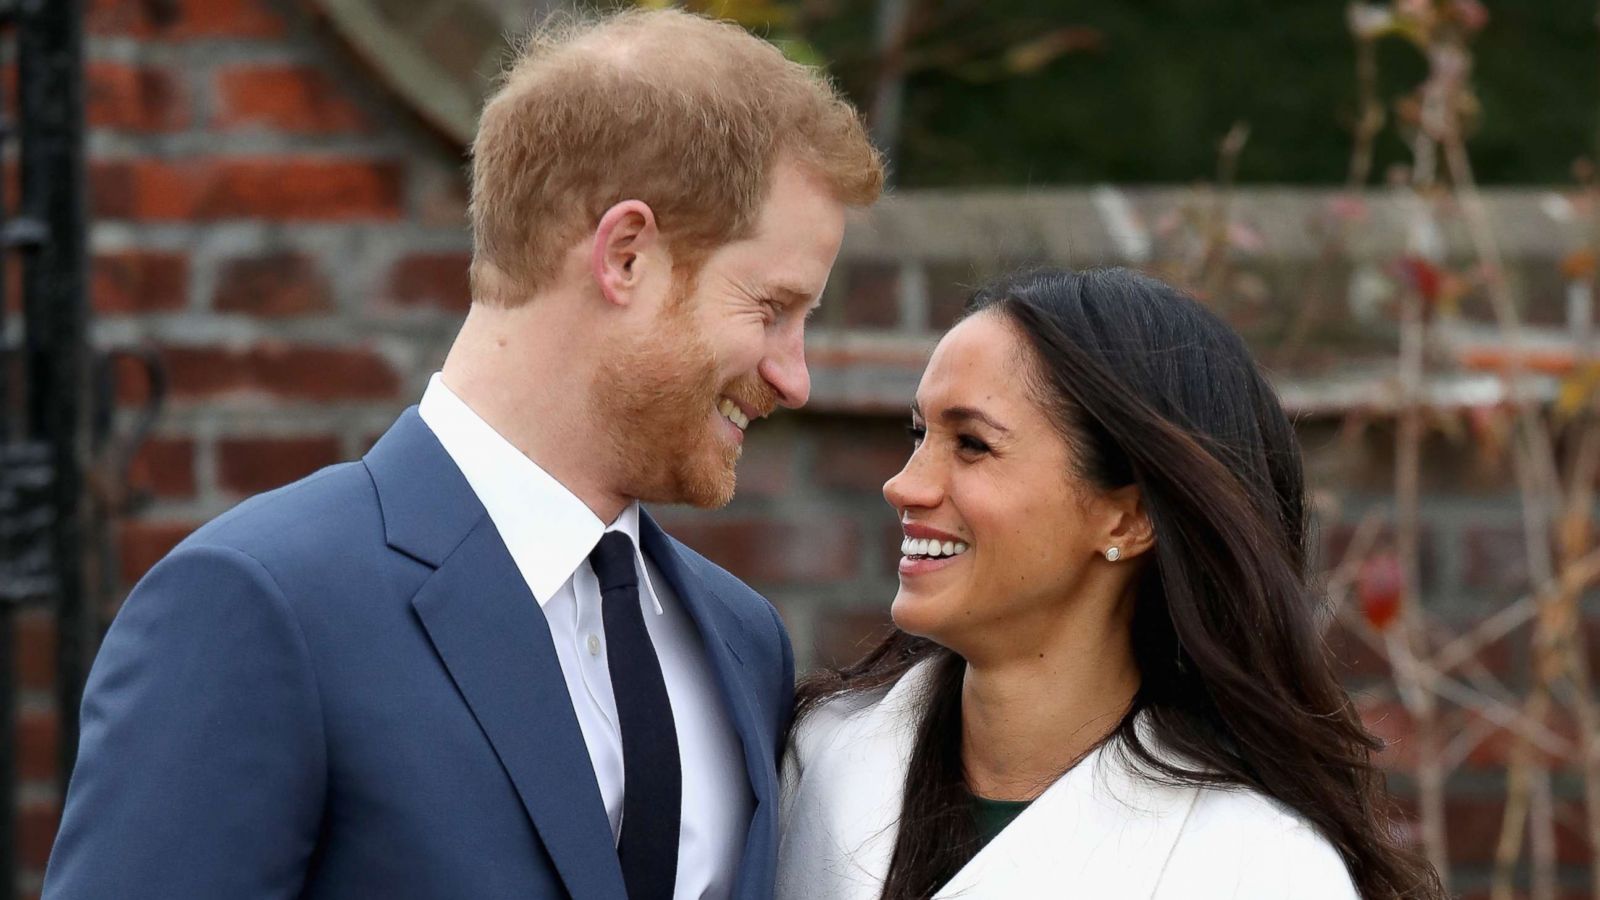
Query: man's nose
(785, 369)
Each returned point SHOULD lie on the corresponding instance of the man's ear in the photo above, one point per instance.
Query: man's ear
(627, 234)
(1129, 530)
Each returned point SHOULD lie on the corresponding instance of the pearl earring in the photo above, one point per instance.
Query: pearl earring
(1113, 554)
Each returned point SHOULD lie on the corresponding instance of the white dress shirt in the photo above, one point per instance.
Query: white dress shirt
(550, 533)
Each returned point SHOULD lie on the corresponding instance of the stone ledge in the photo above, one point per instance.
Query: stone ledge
(1126, 225)
(877, 374)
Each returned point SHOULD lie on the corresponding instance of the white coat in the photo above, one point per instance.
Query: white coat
(1101, 832)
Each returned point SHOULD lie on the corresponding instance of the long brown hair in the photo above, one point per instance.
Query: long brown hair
(1150, 388)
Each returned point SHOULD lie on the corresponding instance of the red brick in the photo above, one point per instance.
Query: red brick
(437, 280)
(252, 465)
(767, 467)
(322, 373)
(872, 295)
(441, 197)
(288, 98)
(1336, 538)
(142, 544)
(1472, 829)
(164, 467)
(190, 372)
(288, 189)
(38, 744)
(1494, 752)
(1391, 722)
(1353, 659)
(862, 456)
(844, 636)
(35, 638)
(143, 99)
(139, 281)
(1495, 558)
(280, 285)
(949, 289)
(183, 19)
(37, 822)
(287, 371)
(769, 552)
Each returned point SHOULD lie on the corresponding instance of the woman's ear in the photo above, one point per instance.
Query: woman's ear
(626, 236)
(1129, 529)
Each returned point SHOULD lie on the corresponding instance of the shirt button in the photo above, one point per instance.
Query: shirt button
(594, 645)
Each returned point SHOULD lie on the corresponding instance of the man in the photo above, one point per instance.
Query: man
(468, 665)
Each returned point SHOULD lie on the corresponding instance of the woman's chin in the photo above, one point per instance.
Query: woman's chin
(918, 615)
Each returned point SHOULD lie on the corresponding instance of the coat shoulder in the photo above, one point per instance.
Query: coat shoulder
(832, 722)
(1259, 847)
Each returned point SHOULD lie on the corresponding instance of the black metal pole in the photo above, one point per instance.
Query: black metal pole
(50, 59)
(8, 666)
(8, 756)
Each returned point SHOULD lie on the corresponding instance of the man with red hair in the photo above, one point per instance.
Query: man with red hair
(469, 665)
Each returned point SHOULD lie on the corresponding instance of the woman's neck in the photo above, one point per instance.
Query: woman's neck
(1027, 719)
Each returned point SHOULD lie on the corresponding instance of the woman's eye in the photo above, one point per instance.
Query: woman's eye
(972, 444)
(917, 433)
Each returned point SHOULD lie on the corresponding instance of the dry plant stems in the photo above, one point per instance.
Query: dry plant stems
(1439, 674)
(1552, 504)
(1214, 262)
(1557, 616)
(1368, 124)
(1405, 642)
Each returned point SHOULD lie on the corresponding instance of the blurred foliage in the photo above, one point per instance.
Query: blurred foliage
(775, 20)
(1040, 91)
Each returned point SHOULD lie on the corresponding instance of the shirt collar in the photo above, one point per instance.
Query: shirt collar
(547, 529)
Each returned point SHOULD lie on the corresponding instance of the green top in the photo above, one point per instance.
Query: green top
(992, 816)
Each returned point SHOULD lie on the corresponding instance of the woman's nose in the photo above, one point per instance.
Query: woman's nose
(914, 486)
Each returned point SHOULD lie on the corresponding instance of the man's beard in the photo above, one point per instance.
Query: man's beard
(657, 400)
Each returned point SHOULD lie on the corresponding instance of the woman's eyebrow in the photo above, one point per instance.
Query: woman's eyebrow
(956, 415)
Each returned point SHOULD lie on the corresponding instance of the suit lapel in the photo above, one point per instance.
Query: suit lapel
(494, 641)
(718, 632)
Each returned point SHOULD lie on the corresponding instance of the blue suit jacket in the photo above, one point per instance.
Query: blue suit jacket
(344, 689)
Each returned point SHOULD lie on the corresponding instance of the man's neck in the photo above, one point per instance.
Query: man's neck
(519, 371)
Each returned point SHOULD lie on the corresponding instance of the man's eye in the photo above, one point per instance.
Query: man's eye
(917, 433)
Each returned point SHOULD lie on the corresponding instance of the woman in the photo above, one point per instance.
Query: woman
(1107, 679)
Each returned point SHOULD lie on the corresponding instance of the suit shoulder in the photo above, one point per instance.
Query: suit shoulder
(751, 608)
(316, 515)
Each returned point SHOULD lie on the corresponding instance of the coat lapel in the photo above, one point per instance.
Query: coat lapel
(493, 639)
(718, 632)
(1102, 828)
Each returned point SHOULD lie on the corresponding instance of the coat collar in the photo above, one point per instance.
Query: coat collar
(1102, 828)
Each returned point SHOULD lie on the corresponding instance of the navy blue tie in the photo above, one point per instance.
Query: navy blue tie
(652, 791)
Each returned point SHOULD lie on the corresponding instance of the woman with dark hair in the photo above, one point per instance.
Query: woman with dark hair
(1107, 679)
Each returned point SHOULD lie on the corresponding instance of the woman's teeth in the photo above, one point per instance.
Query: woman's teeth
(931, 548)
(733, 413)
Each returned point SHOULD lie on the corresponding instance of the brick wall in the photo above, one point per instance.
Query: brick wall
(290, 242)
